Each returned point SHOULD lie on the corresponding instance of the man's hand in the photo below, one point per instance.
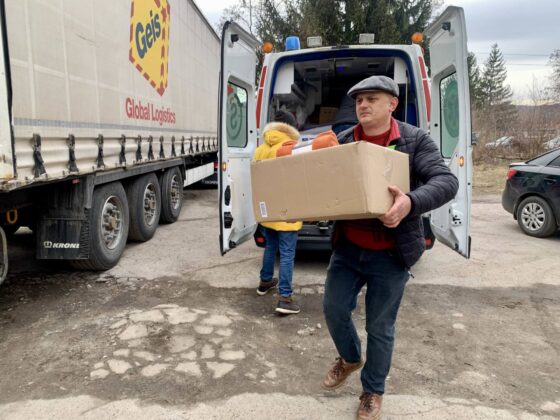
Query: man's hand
(399, 210)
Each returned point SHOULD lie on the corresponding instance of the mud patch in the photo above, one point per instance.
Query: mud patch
(177, 345)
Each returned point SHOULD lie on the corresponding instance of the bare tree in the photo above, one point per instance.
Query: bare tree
(555, 77)
(245, 13)
(536, 123)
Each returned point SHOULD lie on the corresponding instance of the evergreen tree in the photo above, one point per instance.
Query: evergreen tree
(475, 81)
(412, 16)
(373, 16)
(496, 95)
(493, 78)
(339, 22)
(555, 77)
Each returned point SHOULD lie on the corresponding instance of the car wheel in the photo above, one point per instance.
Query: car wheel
(144, 201)
(171, 195)
(535, 217)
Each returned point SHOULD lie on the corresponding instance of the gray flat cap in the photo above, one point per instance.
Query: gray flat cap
(372, 83)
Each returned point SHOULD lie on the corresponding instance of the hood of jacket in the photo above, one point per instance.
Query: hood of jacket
(277, 132)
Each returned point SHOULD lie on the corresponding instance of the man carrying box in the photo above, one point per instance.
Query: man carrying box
(379, 252)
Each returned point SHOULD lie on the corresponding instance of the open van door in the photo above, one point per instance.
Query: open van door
(237, 135)
(451, 124)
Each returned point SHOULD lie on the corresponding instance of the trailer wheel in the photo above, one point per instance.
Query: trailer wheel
(108, 223)
(171, 195)
(144, 201)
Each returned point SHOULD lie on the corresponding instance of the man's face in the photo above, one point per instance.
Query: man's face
(374, 108)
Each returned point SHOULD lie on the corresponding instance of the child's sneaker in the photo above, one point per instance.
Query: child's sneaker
(265, 286)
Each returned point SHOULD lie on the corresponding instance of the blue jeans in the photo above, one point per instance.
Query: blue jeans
(285, 242)
(351, 267)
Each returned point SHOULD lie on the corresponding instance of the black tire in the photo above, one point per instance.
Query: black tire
(144, 202)
(535, 217)
(109, 213)
(171, 195)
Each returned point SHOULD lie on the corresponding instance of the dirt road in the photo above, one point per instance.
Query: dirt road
(177, 331)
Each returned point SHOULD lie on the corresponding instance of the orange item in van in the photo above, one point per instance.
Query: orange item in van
(286, 148)
(324, 139)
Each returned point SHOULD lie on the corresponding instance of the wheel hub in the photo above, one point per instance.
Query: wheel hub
(150, 204)
(175, 192)
(111, 224)
(533, 216)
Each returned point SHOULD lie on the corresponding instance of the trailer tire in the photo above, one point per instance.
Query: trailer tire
(144, 202)
(171, 195)
(108, 226)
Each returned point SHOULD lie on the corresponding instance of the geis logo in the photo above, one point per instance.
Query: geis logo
(149, 40)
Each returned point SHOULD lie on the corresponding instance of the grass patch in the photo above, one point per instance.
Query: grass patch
(489, 178)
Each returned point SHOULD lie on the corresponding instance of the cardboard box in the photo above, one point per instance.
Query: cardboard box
(342, 182)
(327, 114)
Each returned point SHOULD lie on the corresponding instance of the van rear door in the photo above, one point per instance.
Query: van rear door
(237, 135)
(451, 124)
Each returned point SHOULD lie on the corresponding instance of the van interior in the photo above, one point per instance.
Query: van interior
(314, 90)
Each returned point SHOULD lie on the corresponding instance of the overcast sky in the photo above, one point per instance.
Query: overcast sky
(527, 31)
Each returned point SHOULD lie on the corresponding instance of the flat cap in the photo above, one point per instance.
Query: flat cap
(383, 83)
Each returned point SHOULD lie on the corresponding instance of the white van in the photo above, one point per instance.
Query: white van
(312, 83)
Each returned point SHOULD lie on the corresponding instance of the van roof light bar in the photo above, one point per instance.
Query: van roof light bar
(314, 41)
(292, 43)
(367, 38)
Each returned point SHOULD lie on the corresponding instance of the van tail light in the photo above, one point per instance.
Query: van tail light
(260, 96)
(427, 97)
(511, 173)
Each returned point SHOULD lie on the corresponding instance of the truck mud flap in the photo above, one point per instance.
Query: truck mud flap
(63, 228)
(60, 240)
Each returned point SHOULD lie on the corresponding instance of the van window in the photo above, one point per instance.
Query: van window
(236, 116)
(449, 100)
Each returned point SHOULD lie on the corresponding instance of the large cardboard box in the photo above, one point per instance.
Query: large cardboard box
(342, 182)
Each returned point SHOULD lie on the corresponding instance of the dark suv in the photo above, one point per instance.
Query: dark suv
(532, 194)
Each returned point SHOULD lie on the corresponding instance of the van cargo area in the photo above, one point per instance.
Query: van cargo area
(313, 86)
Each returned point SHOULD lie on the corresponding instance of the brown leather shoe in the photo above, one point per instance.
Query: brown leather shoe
(370, 406)
(339, 372)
